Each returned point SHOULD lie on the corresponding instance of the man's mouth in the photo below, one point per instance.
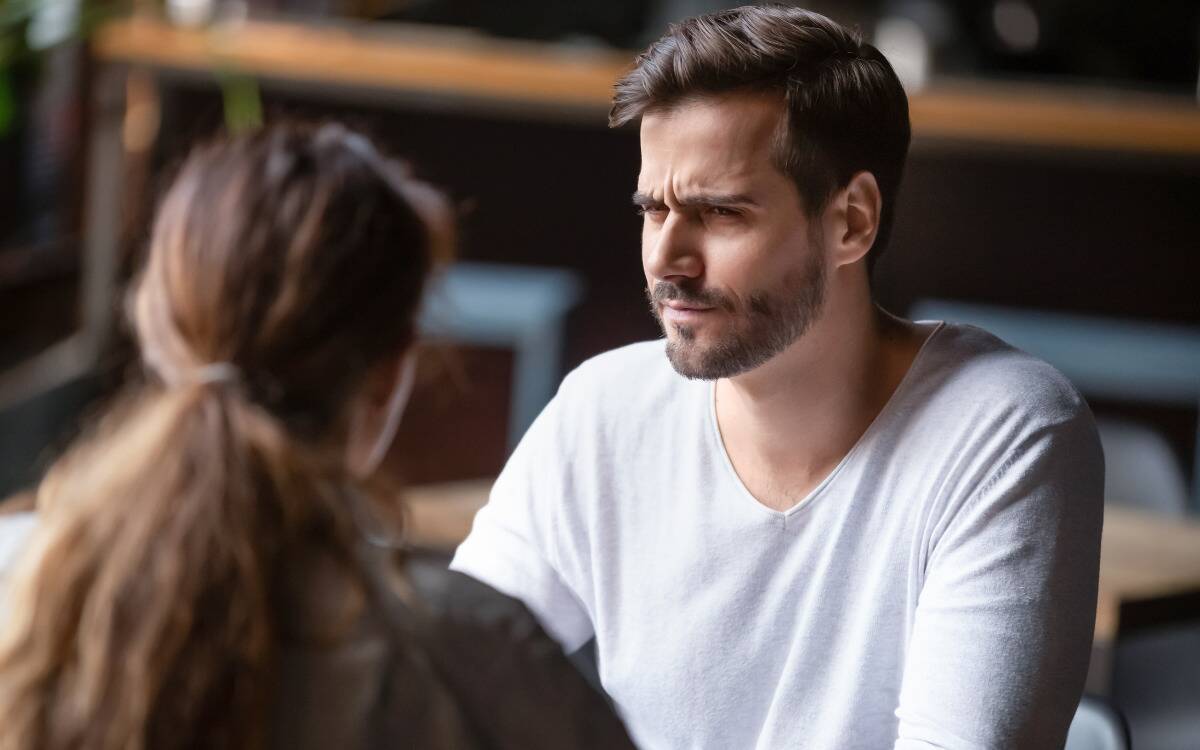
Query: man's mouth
(685, 308)
(675, 311)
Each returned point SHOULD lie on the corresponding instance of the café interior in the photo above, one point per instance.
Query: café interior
(1052, 197)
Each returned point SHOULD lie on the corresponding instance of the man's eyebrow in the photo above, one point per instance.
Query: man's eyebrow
(699, 200)
(703, 200)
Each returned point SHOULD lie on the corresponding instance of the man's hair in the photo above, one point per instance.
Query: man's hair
(846, 110)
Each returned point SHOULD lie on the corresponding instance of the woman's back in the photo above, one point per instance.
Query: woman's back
(442, 661)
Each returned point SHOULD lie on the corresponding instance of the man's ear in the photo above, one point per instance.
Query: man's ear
(856, 209)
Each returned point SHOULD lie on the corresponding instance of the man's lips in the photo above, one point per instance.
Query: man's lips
(683, 312)
(686, 306)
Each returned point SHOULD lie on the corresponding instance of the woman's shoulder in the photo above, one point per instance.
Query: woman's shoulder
(351, 674)
(510, 678)
(447, 595)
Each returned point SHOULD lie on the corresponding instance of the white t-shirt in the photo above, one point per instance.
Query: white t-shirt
(936, 590)
(15, 531)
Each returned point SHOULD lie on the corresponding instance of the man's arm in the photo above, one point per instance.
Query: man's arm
(999, 648)
(513, 540)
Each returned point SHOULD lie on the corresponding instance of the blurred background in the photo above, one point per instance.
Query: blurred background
(1052, 196)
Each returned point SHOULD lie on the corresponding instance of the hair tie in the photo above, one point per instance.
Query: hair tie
(216, 373)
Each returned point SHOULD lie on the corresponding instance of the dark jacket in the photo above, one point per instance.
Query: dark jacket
(428, 659)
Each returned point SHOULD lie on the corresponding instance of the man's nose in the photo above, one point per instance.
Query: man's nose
(672, 250)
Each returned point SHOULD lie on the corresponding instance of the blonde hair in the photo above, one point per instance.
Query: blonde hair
(146, 614)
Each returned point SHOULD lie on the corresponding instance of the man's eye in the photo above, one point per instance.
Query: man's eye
(649, 210)
(724, 212)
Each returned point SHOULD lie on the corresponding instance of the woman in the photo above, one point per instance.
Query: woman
(209, 569)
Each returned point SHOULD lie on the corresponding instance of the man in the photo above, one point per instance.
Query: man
(800, 522)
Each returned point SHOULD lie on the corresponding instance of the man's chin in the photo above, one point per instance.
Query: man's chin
(697, 359)
(689, 359)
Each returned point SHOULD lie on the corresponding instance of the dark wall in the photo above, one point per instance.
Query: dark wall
(1107, 234)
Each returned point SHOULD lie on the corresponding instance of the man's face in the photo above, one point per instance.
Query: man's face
(735, 271)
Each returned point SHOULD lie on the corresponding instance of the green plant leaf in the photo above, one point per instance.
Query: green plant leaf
(243, 102)
(8, 103)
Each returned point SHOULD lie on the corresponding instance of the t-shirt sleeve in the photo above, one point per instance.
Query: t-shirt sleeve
(513, 540)
(1000, 643)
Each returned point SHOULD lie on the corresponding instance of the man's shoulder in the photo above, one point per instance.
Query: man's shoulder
(975, 373)
(980, 406)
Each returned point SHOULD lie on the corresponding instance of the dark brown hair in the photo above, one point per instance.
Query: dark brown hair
(148, 612)
(847, 111)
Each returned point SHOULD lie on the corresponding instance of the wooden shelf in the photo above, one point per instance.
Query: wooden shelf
(380, 55)
(465, 65)
(1058, 117)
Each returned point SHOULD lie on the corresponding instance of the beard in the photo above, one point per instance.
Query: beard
(770, 320)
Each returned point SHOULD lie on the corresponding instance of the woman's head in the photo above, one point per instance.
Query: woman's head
(296, 255)
(277, 302)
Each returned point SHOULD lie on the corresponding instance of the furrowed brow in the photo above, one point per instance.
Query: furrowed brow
(645, 200)
(716, 200)
(699, 200)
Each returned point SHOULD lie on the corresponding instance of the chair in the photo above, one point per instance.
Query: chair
(1141, 469)
(33, 426)
(520, 307)
(1097, 725)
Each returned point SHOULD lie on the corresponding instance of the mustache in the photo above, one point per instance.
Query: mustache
(667, 291)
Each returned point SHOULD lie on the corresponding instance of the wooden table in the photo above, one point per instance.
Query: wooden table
(1149, 565)
(440, 515)
(1149, 577)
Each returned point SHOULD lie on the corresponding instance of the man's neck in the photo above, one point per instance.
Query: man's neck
(788, 423)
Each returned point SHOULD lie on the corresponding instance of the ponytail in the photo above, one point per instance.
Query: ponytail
(143, 616)
(150, 610)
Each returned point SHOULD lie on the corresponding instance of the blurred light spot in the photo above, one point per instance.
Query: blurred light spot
(54, 21)
(903, 42)
(189, 12)
(1016, 25)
